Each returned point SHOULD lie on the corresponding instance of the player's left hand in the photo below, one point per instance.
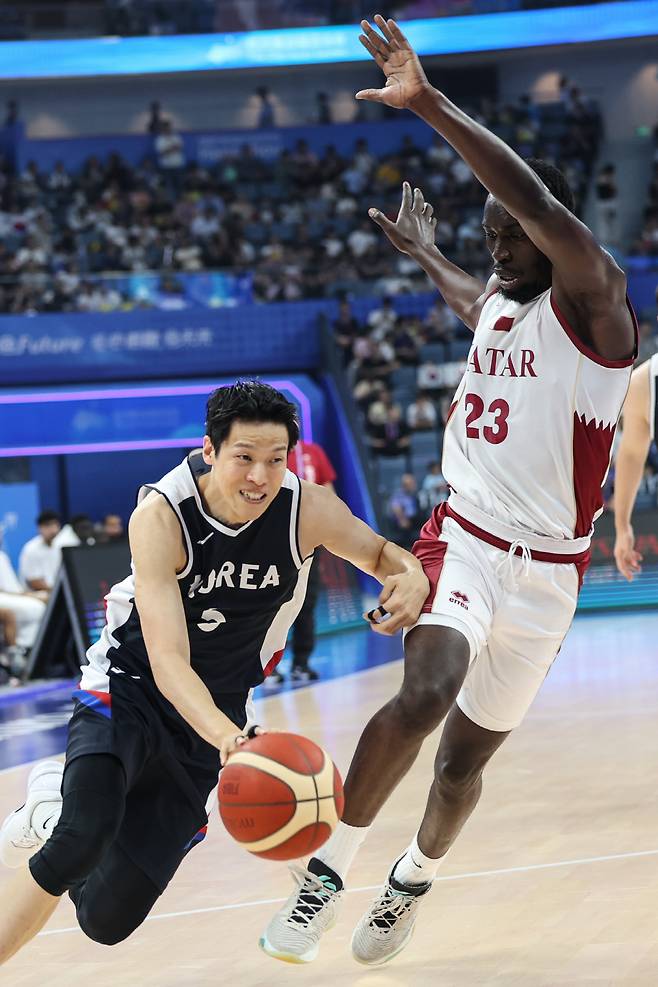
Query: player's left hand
(401, 601)
(405, 78)
(415, 223)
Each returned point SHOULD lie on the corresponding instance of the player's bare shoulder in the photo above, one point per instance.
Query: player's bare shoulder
(155, 532)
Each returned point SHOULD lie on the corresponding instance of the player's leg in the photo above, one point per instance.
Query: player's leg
(115, 899)
(436, 661)
(435, 664)
(464, 750)
(92, 806)
(527, 632)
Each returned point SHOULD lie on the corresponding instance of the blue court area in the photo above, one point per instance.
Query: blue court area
(33, 719)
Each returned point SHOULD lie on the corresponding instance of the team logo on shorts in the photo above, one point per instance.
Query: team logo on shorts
(456, 596)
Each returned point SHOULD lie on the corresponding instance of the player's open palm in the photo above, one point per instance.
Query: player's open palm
(415, 223)
(405, 79)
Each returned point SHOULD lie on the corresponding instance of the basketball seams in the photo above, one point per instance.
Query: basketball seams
(313, 784)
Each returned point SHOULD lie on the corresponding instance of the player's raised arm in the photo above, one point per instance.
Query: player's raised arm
(157, 551)
(629, 467)
(587, 283)
(327, 520)
(412, 233)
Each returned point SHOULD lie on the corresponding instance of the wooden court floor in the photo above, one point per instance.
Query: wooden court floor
(554, 880)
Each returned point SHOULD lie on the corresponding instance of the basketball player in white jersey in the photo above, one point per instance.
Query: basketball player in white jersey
(526, 451)
(222, 547)
(639, 431)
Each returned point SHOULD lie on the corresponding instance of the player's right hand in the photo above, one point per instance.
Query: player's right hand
(415, 224)
(405, 79)
(627, 558)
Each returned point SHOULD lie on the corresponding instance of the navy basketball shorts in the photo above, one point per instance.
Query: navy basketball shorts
(170, 770)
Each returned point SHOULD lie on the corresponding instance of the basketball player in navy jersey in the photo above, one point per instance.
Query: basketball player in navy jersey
(222, 547)
(526, 450)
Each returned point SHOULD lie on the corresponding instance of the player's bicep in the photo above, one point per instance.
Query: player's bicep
(580, 265)
(351, 538)
(155, 547)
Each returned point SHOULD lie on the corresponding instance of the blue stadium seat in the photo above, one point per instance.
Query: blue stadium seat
(389, 471)
(436, 352)
(425, 446)
(458, 349)
(404, 378)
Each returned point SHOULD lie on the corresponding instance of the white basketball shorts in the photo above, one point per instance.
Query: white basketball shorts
(513, 604)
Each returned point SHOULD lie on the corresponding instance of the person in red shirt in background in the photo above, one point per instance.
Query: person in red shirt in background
(309, 462)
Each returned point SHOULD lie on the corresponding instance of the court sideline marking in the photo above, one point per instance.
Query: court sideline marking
(375, 887)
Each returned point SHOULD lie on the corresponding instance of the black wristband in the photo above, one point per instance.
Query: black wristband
(251, 732)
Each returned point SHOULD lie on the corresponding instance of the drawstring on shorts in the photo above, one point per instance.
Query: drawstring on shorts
(505, 568)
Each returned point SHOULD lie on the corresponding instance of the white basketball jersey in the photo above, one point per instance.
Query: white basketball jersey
(529, 437)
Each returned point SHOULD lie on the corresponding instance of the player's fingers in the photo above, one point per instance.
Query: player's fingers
(398, 36)
(407, 197)
(419, 201)
(382, 24)
(378, 217)
(370, 48)
(428, 210)
(374, 95)
(377, 615)
(375, 39)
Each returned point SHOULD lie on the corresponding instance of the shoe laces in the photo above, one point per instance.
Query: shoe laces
(392, 906)
(312, 896)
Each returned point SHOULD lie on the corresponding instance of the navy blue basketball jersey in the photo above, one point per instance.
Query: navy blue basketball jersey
(241, 588)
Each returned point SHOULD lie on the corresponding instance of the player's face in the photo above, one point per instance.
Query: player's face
(523, 271)
(248, 470)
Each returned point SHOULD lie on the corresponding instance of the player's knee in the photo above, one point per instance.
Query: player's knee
(457, 773)
(78, 844)
(106, 926)
(423, 701)
(436, 662)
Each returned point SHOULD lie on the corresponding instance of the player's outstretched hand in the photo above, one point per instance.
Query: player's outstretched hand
(627, 558)
(405, 79)
(415, 224)
(401, 601)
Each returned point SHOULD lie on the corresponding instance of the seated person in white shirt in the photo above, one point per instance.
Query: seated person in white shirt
(40, 558)
(26, 610)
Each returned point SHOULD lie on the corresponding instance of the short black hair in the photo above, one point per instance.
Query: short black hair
(47, 516)
(249, 401)
(554, 180)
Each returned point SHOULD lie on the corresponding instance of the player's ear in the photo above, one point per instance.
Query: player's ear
(208, 451)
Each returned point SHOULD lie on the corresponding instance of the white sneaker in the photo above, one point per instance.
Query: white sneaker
(294, 933)
(26, 830)
(388, 925)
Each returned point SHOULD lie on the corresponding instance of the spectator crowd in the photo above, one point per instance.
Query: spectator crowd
(297, 222)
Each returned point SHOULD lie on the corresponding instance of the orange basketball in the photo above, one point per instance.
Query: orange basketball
(280, 796)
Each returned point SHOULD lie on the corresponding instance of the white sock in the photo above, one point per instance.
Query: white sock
(415, 867)
(342, 847)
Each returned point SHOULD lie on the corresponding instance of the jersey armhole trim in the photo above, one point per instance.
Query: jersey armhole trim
(294, 523)
(186, 538)
(585, 350)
